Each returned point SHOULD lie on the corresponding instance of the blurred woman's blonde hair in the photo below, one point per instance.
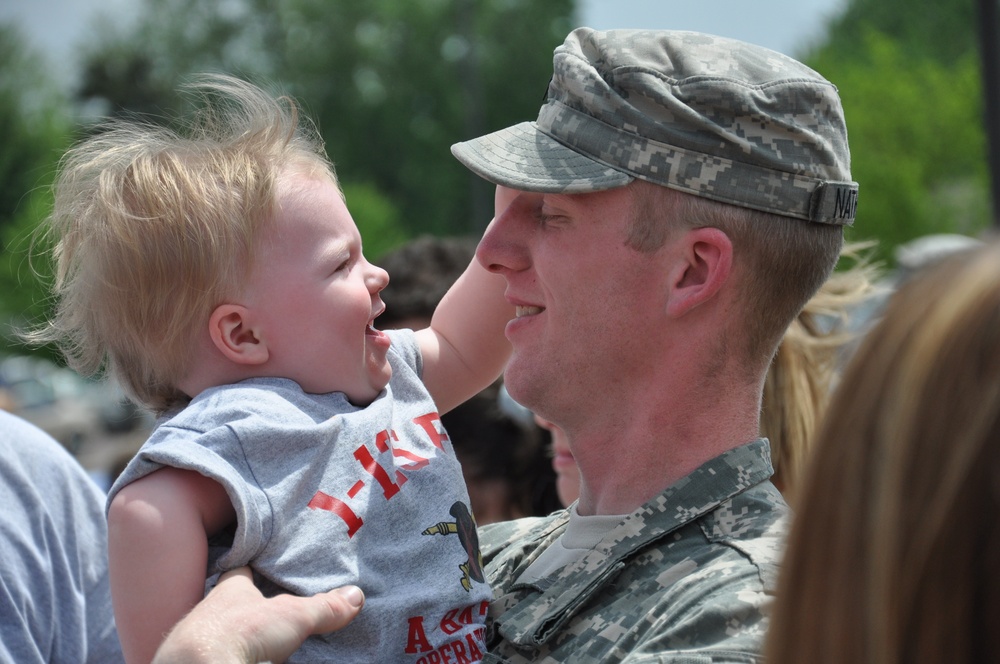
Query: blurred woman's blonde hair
(805, 367)
(894, 548)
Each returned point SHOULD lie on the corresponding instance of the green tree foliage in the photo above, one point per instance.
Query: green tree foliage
(391, 84)
(939, 30)
(135, 68)
(34, 131)
(909, 77)
(380, 219)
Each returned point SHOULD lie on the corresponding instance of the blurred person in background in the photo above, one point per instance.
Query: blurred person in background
(420, 272)
(805, 369)
(893, 551)
(55, 604)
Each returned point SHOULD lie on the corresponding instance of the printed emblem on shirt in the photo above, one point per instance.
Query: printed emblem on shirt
(464, 526)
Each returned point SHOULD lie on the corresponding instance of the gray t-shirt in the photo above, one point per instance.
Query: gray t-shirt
(55, 600)
(327, 494)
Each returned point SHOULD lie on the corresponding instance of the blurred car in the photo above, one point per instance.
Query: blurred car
(118, 413)
(52, 398)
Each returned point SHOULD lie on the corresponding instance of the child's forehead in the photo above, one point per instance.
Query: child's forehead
(305, 172)
(310, 212)
(294, 187)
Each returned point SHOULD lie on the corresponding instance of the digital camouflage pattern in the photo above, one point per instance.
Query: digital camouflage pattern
(688, 577)
(706, 115)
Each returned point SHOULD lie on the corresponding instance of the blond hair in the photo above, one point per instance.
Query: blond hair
(153, 228)
(894, 548)
(805, 368)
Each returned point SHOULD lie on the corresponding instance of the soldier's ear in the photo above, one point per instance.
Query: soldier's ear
(704, 267)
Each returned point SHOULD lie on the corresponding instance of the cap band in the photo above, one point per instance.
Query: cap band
(718, 178)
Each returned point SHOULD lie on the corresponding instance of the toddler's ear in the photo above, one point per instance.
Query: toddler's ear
(231, 332)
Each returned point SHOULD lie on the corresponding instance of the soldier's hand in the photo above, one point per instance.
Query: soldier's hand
(236, 624)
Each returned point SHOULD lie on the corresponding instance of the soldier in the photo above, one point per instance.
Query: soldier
(678, 200)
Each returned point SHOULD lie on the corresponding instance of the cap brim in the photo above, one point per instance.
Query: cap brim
(524, 158)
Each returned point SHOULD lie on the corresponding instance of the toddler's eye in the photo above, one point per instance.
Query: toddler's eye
(344, 265)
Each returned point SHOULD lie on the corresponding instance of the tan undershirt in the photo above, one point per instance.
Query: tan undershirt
(582, 534)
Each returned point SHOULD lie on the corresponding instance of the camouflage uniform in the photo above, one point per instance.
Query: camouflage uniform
(688, 577)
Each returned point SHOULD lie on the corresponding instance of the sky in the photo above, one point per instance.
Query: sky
(787, 26)
(57, 27)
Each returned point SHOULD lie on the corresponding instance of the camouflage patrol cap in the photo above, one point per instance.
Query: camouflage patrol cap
(706, 115)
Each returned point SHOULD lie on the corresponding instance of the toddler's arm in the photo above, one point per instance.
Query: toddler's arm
(158, 552)
(464, 349)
